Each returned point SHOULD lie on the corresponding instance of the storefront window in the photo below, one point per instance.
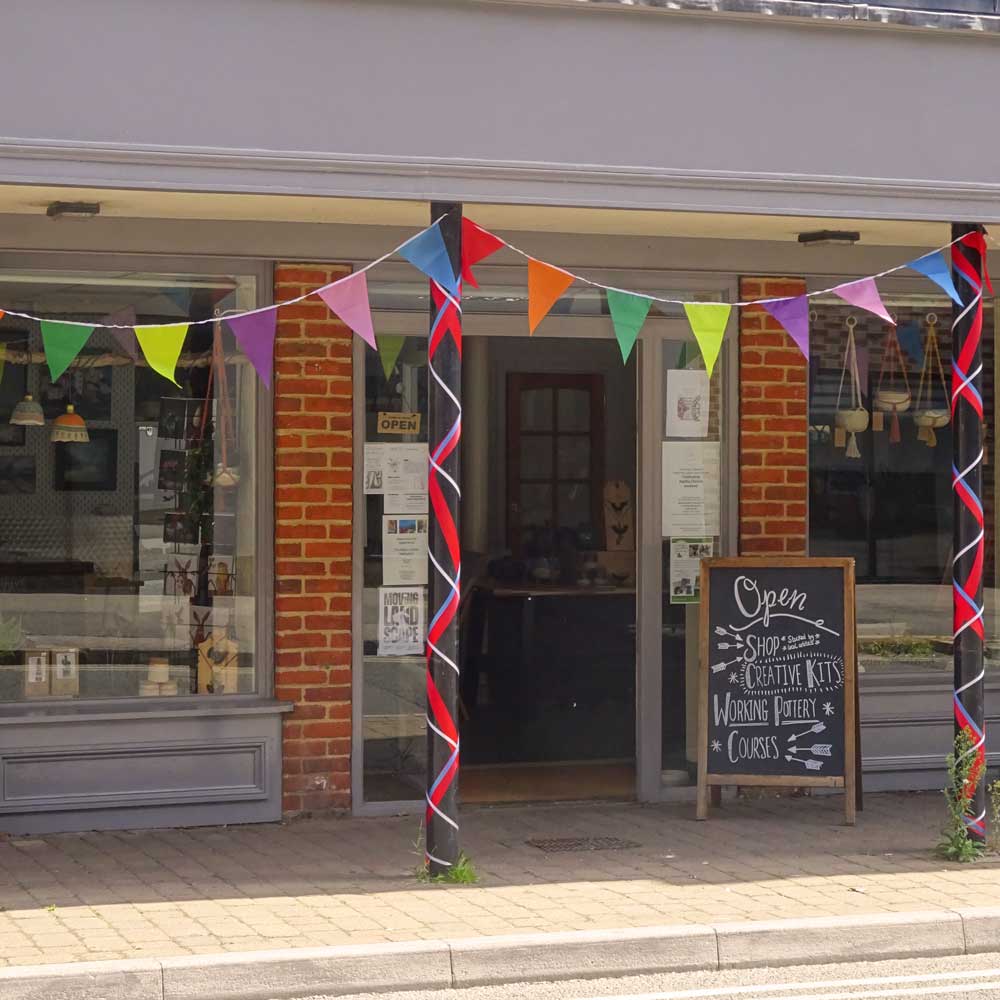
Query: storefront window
(691, 454)
(395, 568)
(880, 461)
(127, 504)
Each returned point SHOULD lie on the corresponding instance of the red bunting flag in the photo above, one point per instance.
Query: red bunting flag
(477, 245)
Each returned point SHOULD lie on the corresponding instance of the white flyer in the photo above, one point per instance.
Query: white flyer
(691, 488)
(395, 468)
(687, 403)
(686, 555)
(405, 503)
(400, 621)
(404, 549)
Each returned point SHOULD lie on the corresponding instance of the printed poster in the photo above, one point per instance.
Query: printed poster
(687, 404)
(691, 497)
(400, 621)
(404, 550)
(405, 503)
(686, 555)
(395, 468)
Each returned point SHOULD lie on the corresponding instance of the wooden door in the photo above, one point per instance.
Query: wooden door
(555, 460)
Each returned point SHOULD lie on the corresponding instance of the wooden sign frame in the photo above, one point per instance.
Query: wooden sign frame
(710, 785)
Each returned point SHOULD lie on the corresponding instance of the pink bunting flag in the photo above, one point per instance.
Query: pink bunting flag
(793, 315)
(348, 298)
(864, 294)
(255, 333)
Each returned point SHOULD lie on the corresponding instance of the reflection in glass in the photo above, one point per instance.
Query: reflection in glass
(536, 410)
(574, 456)
(127, 560)
(574, 410)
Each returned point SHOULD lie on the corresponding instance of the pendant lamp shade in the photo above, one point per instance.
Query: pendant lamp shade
(28, 413)
(70, 428)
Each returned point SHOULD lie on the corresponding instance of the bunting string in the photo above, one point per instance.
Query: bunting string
(347, 298)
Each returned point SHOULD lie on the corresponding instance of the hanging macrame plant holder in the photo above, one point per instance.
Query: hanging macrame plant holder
(893, 394)
(851, 420)
(224, 474)
(927, 418)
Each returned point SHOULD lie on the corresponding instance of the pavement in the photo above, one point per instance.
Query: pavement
(333, 903)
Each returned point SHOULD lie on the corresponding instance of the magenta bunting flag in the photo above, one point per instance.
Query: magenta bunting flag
(793, 315)
(255, 333)
(348, 298)
(864, 294)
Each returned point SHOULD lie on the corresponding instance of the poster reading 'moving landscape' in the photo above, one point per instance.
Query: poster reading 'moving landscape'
(776, 671)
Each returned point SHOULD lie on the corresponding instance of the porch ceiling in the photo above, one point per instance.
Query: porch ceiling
(134, 204)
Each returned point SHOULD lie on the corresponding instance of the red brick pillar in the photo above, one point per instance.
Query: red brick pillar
(774, 427)
(313, 558)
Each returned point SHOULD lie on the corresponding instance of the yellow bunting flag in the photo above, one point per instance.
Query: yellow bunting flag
(161, 346)
(708, 324)
(545, 284)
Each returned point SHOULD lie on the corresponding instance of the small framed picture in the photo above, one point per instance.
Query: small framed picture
(180, 529)
(171, 475)
(65, 671)
(219, 530)
(220, 576)
(36, 675)
(180, 418)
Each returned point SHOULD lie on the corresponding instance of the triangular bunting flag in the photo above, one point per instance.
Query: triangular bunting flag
(348, 299)
(935, 267)
(864, 294)
(161, 346)
(793, 315)
(477, 245)
(628, 313)
(911, 342)
(389, 347)
(62, 343)
(708, 324)
(545, 284)
(254, 332)
(117, 322)
(427, 253)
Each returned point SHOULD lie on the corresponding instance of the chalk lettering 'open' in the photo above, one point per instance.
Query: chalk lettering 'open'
(756, 603)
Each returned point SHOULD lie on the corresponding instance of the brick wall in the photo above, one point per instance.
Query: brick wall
(313, 479)
(773, 427)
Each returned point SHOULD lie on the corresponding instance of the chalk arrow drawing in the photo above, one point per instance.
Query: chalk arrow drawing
(811, 765)
(819, 727)
(817, 749)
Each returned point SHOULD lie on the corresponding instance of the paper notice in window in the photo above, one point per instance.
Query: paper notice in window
(691, 488)
(687, 404)
(401, 621)
(395, 468)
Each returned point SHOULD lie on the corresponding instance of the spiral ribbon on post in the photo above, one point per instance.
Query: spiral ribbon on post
(448, 321)
(968, 604)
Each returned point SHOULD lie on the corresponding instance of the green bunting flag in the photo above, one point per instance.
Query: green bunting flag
(389, 346)
(161, 346)
(708, 324)
(628, 313)
(62, 343)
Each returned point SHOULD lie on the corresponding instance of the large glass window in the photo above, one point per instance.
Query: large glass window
(127, 503)
(880, 461)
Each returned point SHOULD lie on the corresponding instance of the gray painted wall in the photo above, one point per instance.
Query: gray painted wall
(576, 106)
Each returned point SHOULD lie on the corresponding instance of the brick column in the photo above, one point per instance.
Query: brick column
(313, 557)
(774, 427)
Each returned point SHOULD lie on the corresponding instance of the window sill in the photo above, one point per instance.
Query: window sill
(136, 708)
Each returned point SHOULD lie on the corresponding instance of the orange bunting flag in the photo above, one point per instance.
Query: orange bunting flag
(545, 285)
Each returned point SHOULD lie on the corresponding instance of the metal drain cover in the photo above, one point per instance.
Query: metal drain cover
(559, 845)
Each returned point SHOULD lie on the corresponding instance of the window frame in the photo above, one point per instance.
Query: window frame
(264, 638)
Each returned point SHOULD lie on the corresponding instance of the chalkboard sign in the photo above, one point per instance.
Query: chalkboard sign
(778, 675)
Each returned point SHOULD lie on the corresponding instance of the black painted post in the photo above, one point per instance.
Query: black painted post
(968, 547)
(444, 426)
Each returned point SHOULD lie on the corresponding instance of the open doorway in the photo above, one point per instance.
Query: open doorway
(549, 569)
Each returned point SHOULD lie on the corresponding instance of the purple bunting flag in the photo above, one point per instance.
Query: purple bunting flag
(864, 294)
(348, 298)
(126, 338)
(255, 333)
(793, 315)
